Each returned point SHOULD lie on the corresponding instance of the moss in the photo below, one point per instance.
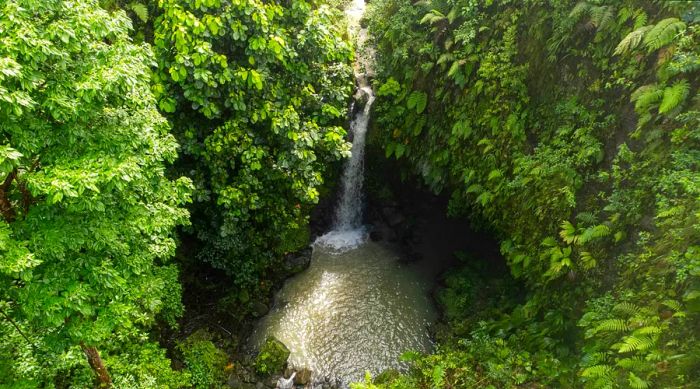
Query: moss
(205, 362)
(272, 357)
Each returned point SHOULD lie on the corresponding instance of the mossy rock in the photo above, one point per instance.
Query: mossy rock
(386, 377)
(272, 357)
(204, 361)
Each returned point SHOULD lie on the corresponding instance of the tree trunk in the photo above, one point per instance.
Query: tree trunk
(93, 357)
(8, 213)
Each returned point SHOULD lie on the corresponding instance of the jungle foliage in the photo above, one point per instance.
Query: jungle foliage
(570, 129)
(257, 94)
(92, 188)
(86, 233)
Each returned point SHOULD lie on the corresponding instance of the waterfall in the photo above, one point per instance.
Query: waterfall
(347, 232)
(348, 215)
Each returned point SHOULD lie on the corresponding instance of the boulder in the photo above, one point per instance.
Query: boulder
(299, 261)
(272, 358)
(303, 377)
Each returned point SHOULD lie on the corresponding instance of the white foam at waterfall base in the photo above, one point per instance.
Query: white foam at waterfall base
(341, 241)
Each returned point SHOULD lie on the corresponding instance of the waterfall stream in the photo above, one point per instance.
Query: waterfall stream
(347, 232)
(356, 309)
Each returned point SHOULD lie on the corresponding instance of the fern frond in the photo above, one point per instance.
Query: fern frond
(432, 17)
(628, 309)
(631, 41)
(593, 233)
(634, 363)
(444, 58)
(587, 260)
(597, 371)
(601, 16)
(140, 10)
(636, 343)
(640, 20)
(673, 304)
(646, 96)
(587, 218)
(647, 330)
(636, 382)
(674, 96)
(663, 33)
(613, 325)
(581, 9)
(452, 15)
(568, 232)
(595, 358)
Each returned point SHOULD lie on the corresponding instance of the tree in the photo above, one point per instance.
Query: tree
(257, 92)
(87, 210)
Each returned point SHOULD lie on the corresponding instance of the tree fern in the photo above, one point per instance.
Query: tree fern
(581, 9)
(601, 16)
(432, 17)
(674, 95)
(140, 10)
(632, 40)
(663, 33)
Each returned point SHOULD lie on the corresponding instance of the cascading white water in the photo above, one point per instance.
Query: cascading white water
(347, 232)
(349, 211)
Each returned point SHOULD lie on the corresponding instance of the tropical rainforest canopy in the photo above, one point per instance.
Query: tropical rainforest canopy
(144, 144)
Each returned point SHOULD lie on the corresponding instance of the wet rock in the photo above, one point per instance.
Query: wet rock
(303, 377)
(361, 99)
(260, 309)
(272, 357)
(387, 376)
(236, 383)
(286, 383)
(376, 235)
(273, 381)
(299, 261)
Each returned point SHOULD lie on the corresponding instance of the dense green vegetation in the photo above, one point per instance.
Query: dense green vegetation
(570, 130)
(257, 92)
(138, 138)
(87, 211)
(254, 93)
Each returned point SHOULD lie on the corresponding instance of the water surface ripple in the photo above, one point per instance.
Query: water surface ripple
(350, 313)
